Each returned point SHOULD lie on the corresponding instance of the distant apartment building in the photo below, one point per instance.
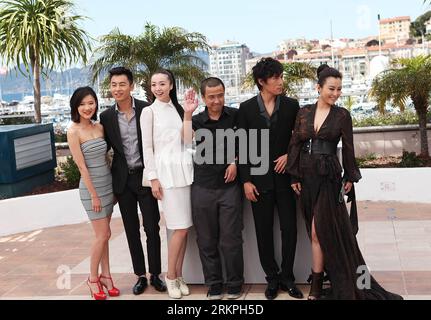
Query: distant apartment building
(364, 42)
(318, 58)
(335, 43)
(395, 30)
(293, 44)
(204, 55)
(355, 63)
(288, 48)
(181, 87)
(228, 62)
(250, 63)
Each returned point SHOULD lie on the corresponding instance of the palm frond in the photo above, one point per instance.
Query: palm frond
(37, 36)
(408, 78)
(295, 73)
(170, 48)
(29, 27)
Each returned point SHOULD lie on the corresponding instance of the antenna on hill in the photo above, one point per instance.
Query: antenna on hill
(380, 36)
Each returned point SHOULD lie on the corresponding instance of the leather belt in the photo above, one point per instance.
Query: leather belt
(135, 171)
(319, 146)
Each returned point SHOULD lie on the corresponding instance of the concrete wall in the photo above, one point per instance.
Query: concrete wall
(64, 208)
(253, 272)
(404, 185)
(388, 141)
(42, 211)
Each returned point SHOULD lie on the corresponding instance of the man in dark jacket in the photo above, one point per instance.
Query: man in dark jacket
(123, 133)
(271, 114)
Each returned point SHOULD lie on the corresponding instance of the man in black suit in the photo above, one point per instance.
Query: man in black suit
(271, 113)
(123, 133)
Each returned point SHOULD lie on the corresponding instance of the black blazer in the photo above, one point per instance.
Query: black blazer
(109, 120)
(249, 117)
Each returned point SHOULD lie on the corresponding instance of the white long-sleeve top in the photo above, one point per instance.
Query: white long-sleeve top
(165, 155)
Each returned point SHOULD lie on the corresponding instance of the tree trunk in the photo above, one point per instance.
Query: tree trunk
(423, 132)
(36, 88)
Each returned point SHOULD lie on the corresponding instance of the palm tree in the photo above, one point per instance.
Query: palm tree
(41, 35)
(171, 48)
(407, 78)
(349, 102)
(295, 73)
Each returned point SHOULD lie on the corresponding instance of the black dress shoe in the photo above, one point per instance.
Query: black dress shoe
(271, 292)
(292, 290)
(140, 286)
(157, 283)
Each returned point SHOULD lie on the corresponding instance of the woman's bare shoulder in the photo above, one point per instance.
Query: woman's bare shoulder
(98, 125)
(73, 129)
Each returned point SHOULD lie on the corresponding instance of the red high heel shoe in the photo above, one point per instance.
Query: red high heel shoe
(101, 295)
(114, 292)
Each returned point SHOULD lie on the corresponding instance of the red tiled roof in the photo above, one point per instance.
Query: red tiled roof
(404, 18)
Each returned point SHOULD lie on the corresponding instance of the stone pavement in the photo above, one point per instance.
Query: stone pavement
(53, 263)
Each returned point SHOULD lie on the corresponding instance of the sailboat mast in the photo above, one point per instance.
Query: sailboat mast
(332, 46)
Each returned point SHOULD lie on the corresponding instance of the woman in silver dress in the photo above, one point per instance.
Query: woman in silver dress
(88, 148)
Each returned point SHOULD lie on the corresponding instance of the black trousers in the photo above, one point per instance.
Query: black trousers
(133, 195)
(263, 212)
(218, 220)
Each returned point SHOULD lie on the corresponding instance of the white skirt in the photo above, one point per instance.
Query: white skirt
(177, 208)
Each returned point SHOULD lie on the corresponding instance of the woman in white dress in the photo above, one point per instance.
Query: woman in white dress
(169, 168)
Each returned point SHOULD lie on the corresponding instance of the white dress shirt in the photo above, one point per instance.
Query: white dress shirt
(166, 158)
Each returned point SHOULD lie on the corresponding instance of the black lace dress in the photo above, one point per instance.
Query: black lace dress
(321, 176)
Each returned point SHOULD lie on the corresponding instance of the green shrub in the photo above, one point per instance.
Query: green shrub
(71, 172)
(60, 138)
(405, 118)
(16, 121)
(411, 160)
(363, 161)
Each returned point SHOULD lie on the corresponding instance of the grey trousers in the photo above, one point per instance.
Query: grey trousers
(217, 217)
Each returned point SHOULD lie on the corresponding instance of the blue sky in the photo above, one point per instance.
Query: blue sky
(259, 24)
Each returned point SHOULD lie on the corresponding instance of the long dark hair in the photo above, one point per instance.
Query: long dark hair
(173, 92)
(75, 102)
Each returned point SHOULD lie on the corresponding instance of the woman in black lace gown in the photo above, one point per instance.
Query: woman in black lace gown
(317, 180)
